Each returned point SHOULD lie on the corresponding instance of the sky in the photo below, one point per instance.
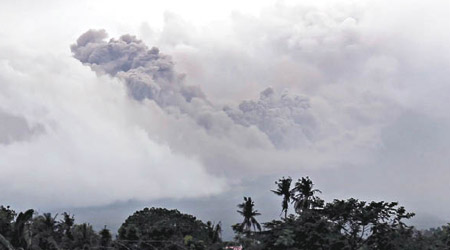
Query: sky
(107, 107)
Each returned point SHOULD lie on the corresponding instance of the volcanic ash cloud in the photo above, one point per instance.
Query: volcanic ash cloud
(284, 120)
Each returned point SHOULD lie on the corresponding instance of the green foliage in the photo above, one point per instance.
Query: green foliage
(162, 228)
(316, 225)
(105, 238)
(44, 229)
(193, 244)
(7, 216)
(432, 239)
(19, 237)
(6, 220)
(5, 244)
(66, 225)
(214, 231)
(308, 231)
(286, 239)
(84, 237)
(342, 224)
(376, 225)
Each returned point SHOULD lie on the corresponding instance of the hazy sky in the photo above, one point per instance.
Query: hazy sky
(234, 95)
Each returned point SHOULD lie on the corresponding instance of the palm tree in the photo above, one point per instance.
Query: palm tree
(303, 195)
(284, 189)
(249, 215)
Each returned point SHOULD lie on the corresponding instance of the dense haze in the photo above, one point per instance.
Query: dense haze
(111, 106)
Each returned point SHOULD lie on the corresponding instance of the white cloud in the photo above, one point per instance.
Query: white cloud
(92, 150)
(362, 66)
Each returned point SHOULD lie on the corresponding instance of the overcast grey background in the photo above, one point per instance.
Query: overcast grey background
(354, 94)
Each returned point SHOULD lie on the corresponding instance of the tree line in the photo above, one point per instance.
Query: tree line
(314, 225)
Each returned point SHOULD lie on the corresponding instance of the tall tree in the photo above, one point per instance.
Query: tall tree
(284, 190)
(249, 215)
(374, 225)
(303, 195)
(105, 238)
(159, 228)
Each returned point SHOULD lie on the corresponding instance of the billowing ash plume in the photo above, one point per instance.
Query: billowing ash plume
(147, 73)
(286, 120)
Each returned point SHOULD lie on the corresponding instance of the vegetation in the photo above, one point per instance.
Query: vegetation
(159, 228)
(315, 225)
(284, 190)
(249, 215)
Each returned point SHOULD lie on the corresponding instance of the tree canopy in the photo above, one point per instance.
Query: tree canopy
(315, 224)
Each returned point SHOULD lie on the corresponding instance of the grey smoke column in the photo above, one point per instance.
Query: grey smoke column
(147, 73)
(286, 120)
